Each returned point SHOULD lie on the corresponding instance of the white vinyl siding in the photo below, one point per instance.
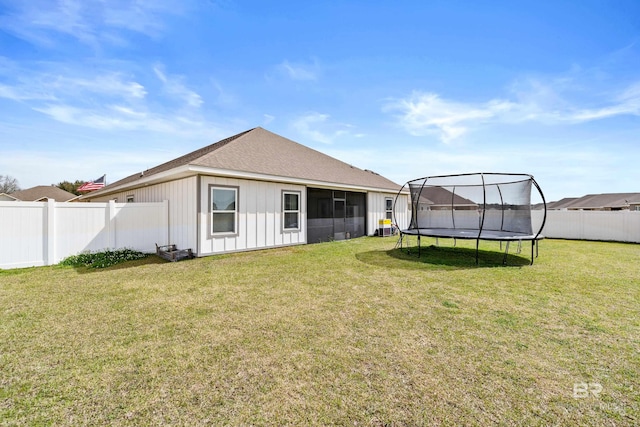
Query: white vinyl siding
(183, 207)
(260, 216)
(377, 210)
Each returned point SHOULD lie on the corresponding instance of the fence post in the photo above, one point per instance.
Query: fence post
(165, 220)
(111, 225)
(50, 234)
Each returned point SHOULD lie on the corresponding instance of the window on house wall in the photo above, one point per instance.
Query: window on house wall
(224, 210)
(388, 207)
(291, 210)
(130, 199)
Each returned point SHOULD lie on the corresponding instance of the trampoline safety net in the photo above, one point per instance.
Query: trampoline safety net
(480, 206)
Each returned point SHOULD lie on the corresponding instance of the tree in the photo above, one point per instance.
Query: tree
(8, 184)
(71, 187)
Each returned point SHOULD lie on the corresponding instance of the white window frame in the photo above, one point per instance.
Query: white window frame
(130, 198)
(388, 213)
(290, 211)
(212, 213)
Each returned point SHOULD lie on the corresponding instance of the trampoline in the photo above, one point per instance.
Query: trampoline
(474, 206)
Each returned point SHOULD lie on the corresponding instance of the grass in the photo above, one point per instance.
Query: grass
(344, 333)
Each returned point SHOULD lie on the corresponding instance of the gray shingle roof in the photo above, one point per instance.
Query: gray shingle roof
(560, 204)
(442, 196)
(262, 152)
(42, 192)
(607, 200)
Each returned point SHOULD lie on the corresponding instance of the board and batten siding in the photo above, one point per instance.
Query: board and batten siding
(376, 210)
(260, 216)
(183, 207)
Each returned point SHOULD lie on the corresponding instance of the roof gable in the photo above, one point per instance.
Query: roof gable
(259, 151)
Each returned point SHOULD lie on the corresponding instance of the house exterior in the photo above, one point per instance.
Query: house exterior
(440, 198)
(39, 193)
(4, 197)
(258, 190)
(557, 205)
(600, 202)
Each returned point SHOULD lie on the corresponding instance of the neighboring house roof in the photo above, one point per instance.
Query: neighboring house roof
(605, 201)
(42, 193)
(259, 152)
(560, 204)
(439, 196)
(4, 197)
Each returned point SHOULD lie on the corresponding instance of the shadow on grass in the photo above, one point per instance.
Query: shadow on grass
(440, 257)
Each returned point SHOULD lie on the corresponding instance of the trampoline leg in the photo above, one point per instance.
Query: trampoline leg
(477, 249)
(533, 244)
(437, 242)
(506, 253)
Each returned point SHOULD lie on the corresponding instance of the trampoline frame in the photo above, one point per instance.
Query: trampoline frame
(466, 233)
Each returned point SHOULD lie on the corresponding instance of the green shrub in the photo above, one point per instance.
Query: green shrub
(102, 259)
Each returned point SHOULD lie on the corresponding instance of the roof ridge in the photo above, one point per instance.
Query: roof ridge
(180, 161)
(186, 158)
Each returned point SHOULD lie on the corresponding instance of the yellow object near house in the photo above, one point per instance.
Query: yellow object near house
(384, 227)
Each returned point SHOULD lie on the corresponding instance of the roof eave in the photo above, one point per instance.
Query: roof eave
(143, 181)
(191, 170)
(288, 180)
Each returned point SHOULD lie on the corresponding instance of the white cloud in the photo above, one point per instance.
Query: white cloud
(23, 94)
(268, 118)
(114, 118)
(427, 113)
(317, 127)
(91, 22)
(106, 100)
(224, 98)
(174, 85)
(534, 101)
(300, 71)
(113, 84)
(31, 84)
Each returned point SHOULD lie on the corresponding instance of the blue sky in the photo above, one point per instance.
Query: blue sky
(405, 88)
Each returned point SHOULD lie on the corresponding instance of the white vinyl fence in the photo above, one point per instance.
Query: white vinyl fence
(620, 226)
(44, 233)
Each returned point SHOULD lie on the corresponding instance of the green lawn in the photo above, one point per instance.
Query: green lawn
(345, 333)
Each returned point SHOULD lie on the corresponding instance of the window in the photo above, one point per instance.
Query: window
(224, 210)
(291, 211)
(388, 206)
(130, 199)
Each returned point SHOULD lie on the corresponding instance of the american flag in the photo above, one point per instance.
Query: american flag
(93, 185)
